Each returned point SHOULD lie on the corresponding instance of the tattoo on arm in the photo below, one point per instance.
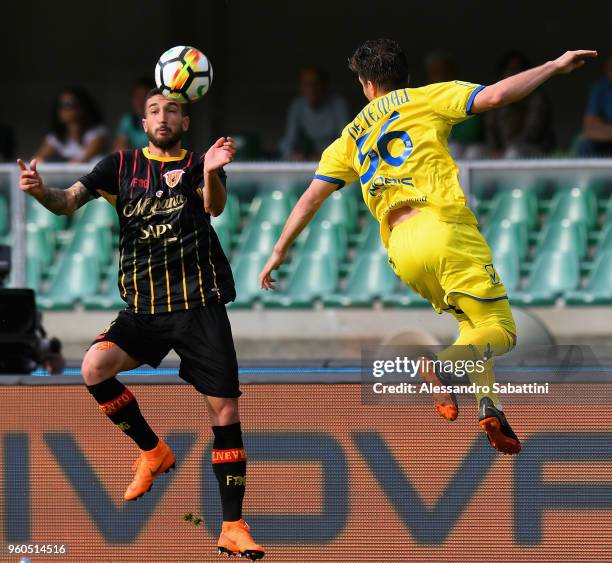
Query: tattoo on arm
(80, 194)
(63, 202)
(55, 200)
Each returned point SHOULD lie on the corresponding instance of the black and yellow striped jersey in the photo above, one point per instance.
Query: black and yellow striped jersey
(170, 256)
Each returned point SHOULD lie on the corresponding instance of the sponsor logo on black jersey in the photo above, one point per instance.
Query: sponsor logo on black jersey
(148, 207)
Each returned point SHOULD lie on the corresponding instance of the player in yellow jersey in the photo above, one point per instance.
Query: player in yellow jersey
(397, 148)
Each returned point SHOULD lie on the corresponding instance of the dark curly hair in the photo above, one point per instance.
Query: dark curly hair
(90, 113)
(383, 62)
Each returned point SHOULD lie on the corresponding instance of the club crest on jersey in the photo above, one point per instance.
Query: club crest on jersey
(173, 177)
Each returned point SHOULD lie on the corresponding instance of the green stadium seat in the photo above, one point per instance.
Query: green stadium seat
(598, 289)
(230, 216)
(325, 238)
(601, 187)
(507, 265)
(553, 274)
(76, 278)
(109, 299)
(260, 237)
(94, 241)
(5, 222)
(577, 205)
(507, 236)
(246, 268)
(517, 206)
(339, 208)
(369, 238)
(288, 184)
(537, 186)
(36, 213)
(405, 296)
(40, 244)
(604, 243)
(272, 207)
(34, 272)
(354, 190)
(314, 276)
(98, 212)
(370, 278)
(225, 237)
(564, 236)
(608, 212)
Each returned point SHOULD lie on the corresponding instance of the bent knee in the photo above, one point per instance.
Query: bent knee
(96, 368)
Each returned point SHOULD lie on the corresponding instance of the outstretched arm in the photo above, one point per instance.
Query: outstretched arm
(300, 216)
(57, 200)
(519, 86)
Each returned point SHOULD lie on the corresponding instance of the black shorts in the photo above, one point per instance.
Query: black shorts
(202, 338)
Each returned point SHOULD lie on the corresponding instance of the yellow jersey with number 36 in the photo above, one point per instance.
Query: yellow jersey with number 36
(397, 147)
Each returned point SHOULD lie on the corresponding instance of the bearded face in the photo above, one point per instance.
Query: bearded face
(164, 122)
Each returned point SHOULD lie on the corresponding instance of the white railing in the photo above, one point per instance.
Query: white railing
(63, 175)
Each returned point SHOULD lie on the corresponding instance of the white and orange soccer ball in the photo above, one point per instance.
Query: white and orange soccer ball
(183, 74)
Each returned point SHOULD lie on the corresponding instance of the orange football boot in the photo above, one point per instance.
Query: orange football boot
(148, 466)
(445, 403)
(235, 539)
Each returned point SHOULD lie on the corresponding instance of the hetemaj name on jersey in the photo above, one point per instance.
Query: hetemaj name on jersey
(374, 112)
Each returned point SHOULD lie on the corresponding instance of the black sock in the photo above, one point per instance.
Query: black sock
(117, 402)
(229, 465)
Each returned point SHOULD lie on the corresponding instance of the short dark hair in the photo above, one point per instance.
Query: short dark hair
(383, 62)
(157, 92)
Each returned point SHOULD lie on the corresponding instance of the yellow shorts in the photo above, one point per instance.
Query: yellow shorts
(438, 259)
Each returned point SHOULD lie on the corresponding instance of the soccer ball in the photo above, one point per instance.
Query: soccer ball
(183, 74)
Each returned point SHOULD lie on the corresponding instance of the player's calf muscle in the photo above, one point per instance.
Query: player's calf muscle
(222, 412)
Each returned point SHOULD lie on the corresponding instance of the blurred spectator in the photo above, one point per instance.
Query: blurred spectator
(77, 132)
(467, 139)
(130, 134)
(7, 142)
(315, 118)
(523, 129)
(597, 133)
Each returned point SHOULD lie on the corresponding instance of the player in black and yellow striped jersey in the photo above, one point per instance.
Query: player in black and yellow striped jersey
(170, 257)
(175, 280)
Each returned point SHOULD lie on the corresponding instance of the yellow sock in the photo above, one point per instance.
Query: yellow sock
(486, 329)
